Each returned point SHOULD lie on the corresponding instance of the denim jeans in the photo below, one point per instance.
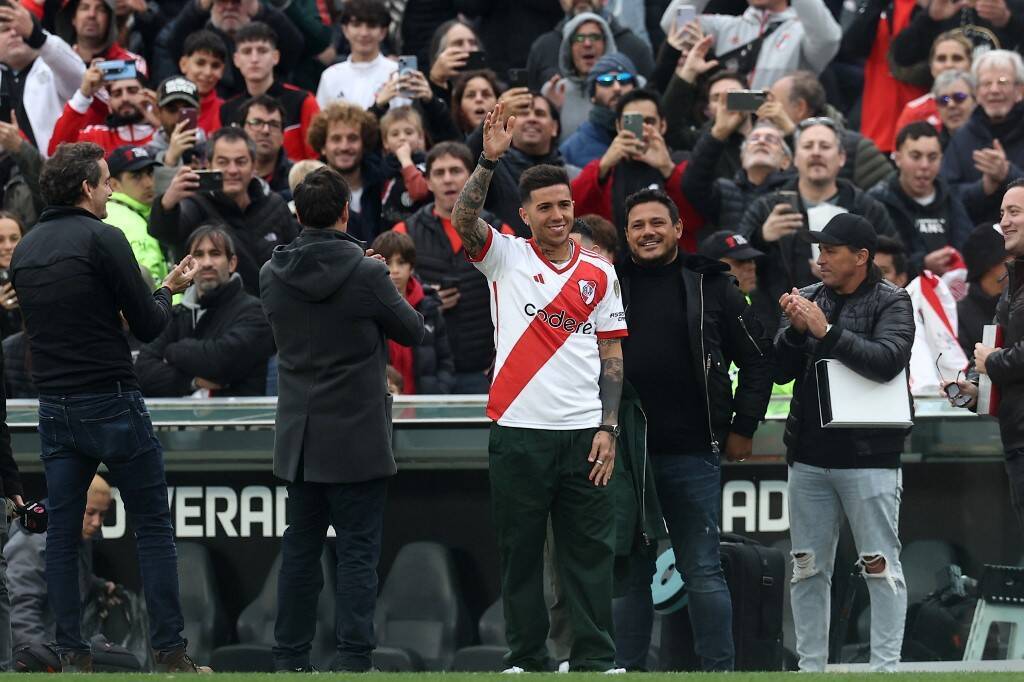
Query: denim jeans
(356, 510)
(6, 640)
(690, 491)
(870, 499)
(633, 612)
(1015, 473)
(77, 433)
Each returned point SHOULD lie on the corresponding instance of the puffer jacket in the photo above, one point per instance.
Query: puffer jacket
(723, 330)
(872, 336)
(1006, 367)
(432, 357)
(787, 261)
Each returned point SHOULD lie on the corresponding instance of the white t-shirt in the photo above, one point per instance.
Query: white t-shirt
(547, 320)
(356, 82)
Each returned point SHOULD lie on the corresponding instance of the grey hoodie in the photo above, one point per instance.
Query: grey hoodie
(66, 30)
(577, 100)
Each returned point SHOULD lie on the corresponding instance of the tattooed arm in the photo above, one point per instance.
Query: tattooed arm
(466, 213)
(602, 452)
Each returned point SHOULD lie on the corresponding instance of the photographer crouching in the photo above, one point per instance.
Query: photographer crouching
(75, 277)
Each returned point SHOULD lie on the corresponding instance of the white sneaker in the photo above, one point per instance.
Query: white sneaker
(615, 671)
(514, 670)
(563, 667)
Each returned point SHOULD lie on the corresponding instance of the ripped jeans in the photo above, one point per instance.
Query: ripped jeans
(870, 498)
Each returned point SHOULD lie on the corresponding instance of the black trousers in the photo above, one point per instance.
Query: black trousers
(356, 510)
(1015, 471)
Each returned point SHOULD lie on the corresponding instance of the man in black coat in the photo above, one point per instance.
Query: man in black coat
(1005, 365)
(218, 339)
(984, 254)
(857, 318)
(331, 310)
(257, 218)
(688, 323)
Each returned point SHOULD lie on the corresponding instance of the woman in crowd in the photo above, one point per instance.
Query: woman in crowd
(475, 93)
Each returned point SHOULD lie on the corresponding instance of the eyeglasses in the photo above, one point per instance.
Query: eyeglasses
(588, 37)
(818, 121)
(258, 123)
(946, 100)
(952, 389)
(608, 79)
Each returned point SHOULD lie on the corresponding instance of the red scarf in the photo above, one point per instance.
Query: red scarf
(401, 357)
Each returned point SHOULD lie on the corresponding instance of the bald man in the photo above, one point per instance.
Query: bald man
(26, 570)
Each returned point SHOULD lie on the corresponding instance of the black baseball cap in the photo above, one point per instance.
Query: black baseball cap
(726, 244)
(847, 229)
(128, 158)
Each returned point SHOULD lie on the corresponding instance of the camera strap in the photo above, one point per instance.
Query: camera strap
(744, 58)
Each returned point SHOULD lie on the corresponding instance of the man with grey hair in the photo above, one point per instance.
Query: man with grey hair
(988, 150)
(765, 158)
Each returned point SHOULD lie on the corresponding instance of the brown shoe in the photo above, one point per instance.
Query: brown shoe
(76, 662)
(177, 661)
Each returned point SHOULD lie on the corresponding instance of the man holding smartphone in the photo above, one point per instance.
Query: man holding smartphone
(130, 120)
(174, 142)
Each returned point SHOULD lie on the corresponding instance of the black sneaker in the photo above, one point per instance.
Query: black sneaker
(76, 662)
(177, 661)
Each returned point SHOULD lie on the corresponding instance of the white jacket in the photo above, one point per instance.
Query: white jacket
(808, 37)
(52, 80)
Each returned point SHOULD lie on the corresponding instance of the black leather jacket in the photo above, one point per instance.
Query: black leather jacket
(872, 336)
(723, 330)
(1006, 367)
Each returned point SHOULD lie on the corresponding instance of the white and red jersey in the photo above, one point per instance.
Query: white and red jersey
(547, 320)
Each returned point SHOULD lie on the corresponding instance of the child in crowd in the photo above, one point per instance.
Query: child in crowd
(426, 368)
(298, 173)
(404, 144)
(202, 62)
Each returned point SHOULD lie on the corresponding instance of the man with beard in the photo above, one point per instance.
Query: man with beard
(988, 151)
(89, 27)
(256, 218)
(344, 135)
(262, 119)
(554, 403)
(612, 78)
(131, 178)
(129, 122)
(218, 339)
(533, 143)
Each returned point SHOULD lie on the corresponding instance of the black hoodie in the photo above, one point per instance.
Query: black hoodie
(331, 310)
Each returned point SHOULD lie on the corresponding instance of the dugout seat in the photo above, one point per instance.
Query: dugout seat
(256, 626)
(421, 619)
(201, 606)
(489, 655)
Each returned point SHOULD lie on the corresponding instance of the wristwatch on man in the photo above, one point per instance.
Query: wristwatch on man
(613, 429)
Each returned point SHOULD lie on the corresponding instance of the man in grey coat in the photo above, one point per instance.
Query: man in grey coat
(331, 309)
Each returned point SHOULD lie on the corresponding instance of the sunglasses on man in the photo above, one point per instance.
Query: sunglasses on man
(946, 100)
(622, 78)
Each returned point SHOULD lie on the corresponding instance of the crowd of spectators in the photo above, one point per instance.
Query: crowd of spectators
(909, 114)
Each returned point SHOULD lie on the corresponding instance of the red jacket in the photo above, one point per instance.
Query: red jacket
(591, 196)
(89, 126)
